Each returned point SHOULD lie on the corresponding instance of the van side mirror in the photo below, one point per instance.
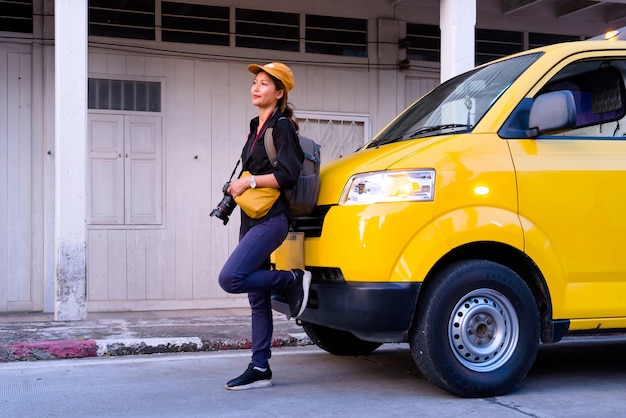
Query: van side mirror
(551, 113)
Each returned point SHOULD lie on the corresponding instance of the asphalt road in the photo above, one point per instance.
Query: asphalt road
(568, 380)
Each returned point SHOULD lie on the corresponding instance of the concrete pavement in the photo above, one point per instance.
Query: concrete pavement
(38, 337)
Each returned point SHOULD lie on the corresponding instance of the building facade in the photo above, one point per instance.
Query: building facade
(120, 120)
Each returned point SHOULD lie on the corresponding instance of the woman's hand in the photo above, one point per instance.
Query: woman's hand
(238, 186)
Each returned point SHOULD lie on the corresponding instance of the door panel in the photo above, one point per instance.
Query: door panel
(573, 189)
(572, 194)
(105, 174)
(143, 170)
(20, 288)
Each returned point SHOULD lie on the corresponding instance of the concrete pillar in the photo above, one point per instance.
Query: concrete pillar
(70, 69)
(457, 22)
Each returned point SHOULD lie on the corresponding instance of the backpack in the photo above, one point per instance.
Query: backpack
(303, 197)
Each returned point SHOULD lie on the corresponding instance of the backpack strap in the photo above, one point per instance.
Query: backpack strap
(270, 146)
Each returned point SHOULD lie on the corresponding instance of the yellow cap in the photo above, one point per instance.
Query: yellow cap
(277, 70)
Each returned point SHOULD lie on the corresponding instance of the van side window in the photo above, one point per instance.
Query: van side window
(599, 96)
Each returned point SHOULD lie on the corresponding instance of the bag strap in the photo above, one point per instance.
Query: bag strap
(270, 146)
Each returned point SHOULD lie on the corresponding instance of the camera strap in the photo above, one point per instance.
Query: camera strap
(234, 169)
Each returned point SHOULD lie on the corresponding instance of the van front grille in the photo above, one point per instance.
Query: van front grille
(311, 224)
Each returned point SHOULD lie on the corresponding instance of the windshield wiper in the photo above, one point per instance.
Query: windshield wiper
(383, 141)
(427, 129)
(422, 130)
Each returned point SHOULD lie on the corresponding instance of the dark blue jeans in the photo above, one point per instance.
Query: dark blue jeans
(247, 270)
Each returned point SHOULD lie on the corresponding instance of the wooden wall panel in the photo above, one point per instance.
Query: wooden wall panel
(179, 118)
(417, 86)
(117, 265)
(155, 265)
(97, 265)
(18, 287)
(136, 264)
(4, 176)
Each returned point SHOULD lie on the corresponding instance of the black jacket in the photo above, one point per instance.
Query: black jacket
(289, 156)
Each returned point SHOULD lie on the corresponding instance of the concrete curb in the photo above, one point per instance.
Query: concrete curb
(52, 350)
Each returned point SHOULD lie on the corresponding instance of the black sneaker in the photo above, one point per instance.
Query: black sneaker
(298, 292)
(251, 379)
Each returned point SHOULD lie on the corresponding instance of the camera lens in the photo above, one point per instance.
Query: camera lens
(224, 208)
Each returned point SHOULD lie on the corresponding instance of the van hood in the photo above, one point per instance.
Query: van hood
(336, 173)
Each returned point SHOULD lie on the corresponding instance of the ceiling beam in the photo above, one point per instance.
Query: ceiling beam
(614, 13)
(512, 6)
(568, 7)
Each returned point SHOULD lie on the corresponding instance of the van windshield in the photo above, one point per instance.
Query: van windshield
(456, 105)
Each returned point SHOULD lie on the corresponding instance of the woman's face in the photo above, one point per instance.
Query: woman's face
(263, 90)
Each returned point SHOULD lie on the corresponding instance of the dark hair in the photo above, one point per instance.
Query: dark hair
(283, 105)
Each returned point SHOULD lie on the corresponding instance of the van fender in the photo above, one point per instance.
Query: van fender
(540, 250)
(452, 230)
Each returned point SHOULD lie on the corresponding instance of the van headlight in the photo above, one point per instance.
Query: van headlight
(389, 186)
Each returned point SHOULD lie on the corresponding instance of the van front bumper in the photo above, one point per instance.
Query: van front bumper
(379, 311)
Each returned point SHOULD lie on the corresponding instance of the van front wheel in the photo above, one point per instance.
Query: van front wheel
(476, 332)
(338, 342)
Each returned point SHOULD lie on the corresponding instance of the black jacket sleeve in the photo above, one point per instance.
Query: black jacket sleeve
(289, 155)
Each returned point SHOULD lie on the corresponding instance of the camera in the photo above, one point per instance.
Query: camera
(226, 205)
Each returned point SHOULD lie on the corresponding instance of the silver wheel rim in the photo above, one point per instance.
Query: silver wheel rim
(483, 330)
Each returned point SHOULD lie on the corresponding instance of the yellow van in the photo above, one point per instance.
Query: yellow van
(486, 218)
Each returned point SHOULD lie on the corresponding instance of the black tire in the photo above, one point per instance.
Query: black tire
(476, 331)
(341, 343)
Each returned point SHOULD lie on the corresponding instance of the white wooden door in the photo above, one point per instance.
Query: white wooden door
(143, 170)
(20, 289)
(124, 207)
(124, 175)
(105, 174)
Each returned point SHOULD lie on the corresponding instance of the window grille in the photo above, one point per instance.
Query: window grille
(493, 44)
(140, 96)
(16, 16)
(336, 36)
(194, 23)
(536, 40)
(267, 30)
(122, 19)
(424, 42)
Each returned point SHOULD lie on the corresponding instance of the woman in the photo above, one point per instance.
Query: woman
(247, 270)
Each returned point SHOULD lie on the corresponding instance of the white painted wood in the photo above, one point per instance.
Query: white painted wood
(143, 170)
(4, 176)
(155, 271)
(418, 85)
(20, 290)
(136, 267)
(124, 170)
(117, 265)
(180, 196)
(38, 187)
(116, 64)
(98, 261)
(48, 99)
(24, 178)
(105, 171)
